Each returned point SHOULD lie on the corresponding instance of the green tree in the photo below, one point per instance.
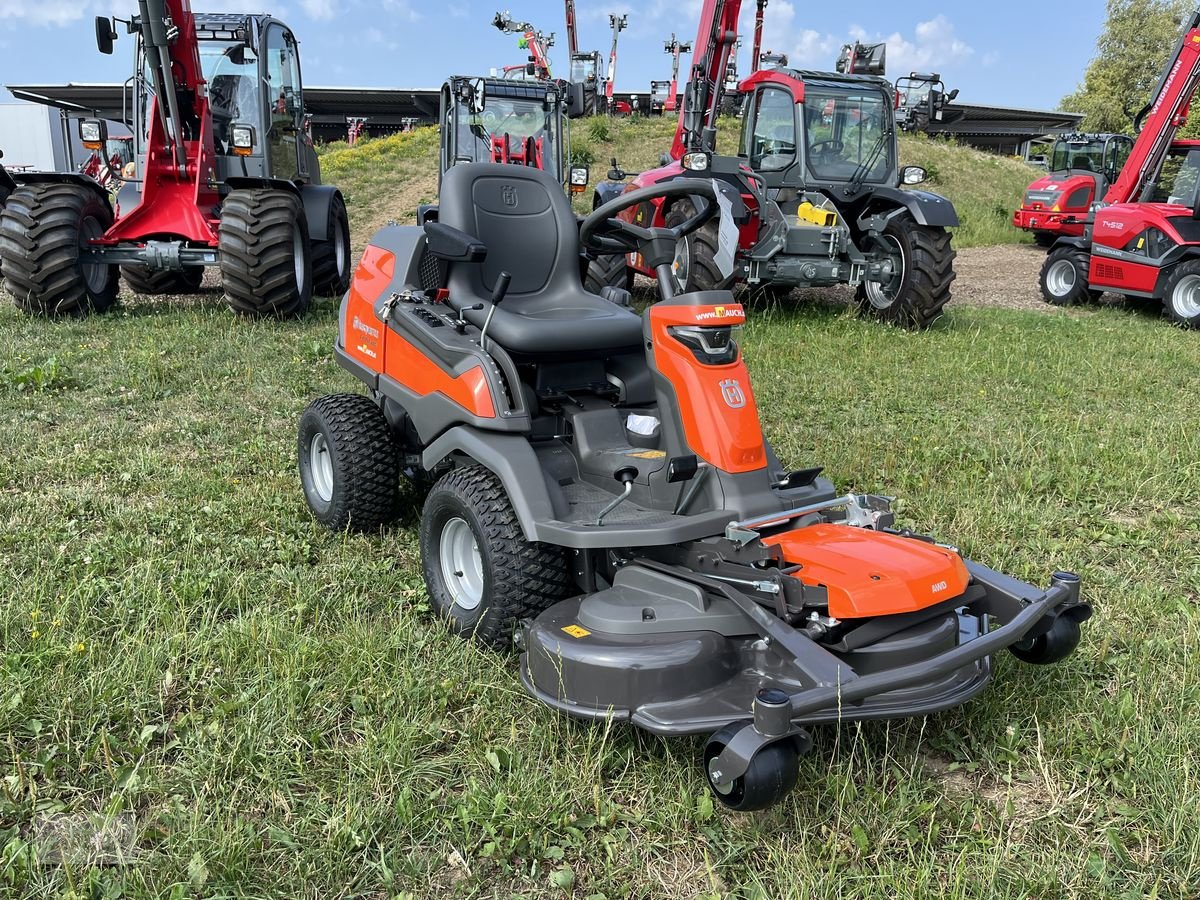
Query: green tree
(1138, 37)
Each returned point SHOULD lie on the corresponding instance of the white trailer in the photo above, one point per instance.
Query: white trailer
(39, 138)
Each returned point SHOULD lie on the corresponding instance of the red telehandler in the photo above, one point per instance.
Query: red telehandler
(674, 47)
(538, 45)
(1143, 240)
(226, 176)
(813, 199)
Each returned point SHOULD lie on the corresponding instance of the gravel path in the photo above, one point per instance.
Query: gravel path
(1005, 276)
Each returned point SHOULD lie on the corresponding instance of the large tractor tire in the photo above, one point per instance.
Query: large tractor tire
(482, 575)
(920, 288)
(42, 229)
(151, 282)
(266, 254)
(608, 271)
(1181, 295)
(1064, 278)
(331, 258)
(695, 264)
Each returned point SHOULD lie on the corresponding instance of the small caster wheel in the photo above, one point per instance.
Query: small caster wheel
(772, 772)
(1054, 646)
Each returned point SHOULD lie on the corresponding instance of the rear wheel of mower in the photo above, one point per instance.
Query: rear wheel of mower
(266, 254)
(695, 265)
(331, 258)
(142, 280)
(920, 285)
(483, 576)
(772, 773)
(349, 463)
(1064, 278)
(1182, 293)
(1054, 646)
(43, 228)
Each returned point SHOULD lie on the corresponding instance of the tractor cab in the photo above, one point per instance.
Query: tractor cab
(821, 131)
(1100, 154)
(1082, 168)
(499, 120)
(921, 100)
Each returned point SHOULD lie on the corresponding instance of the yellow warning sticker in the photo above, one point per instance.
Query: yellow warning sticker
(648, 454)
(576, 631)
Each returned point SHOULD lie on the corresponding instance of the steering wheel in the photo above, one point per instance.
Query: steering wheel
(831, 146)
(604, 233)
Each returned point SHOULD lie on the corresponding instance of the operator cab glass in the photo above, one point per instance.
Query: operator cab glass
(847, 134)
(521, 128)
(769, 138)
(583, 69)
(1179, 179)
(231, 69)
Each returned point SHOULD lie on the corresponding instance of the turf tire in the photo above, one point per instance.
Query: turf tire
(42, 229)
(363, 463)
(331, 258)
(924, 289)
(151, 282)
(1064, 278)
(263, 231)
(1181, 294)
(520, 577)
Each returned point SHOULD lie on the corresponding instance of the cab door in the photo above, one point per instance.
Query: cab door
(287, 144)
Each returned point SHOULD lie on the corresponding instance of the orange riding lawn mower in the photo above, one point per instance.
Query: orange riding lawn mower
(601, 494)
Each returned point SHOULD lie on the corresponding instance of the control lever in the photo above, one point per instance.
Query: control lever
(498, 293)
(627, 476)
(460, 324)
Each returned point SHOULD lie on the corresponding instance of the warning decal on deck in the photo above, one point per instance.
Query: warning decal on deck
(576, 631)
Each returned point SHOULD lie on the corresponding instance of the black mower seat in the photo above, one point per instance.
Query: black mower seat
(523, 217)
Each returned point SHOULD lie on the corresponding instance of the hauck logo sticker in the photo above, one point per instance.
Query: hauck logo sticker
(721, 312)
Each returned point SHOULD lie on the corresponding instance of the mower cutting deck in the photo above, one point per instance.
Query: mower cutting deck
(603, 494)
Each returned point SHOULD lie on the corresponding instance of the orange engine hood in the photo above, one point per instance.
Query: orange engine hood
(869, 573)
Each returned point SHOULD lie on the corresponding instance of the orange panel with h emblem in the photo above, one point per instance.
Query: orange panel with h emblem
(363, 337)
(716, 404)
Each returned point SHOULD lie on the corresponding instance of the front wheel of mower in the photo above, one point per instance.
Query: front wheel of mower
(349, 463)
(1064, 278)
(1182, 294)
(1054, 646)
(43, 229)
(772, 773)
(266, 254)
(482, 575)
(923, 270)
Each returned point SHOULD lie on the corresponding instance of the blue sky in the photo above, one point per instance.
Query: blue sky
(987, 50)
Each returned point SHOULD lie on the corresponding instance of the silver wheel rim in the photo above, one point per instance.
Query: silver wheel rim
(880, 295)
(462, 564)
(320, 463)
(298, 252)
(95, 275)
(1185, 299)
(339, 251)
(682, 264)
(1061, 277)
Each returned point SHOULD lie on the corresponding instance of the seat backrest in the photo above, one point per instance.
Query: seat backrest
(524, 218)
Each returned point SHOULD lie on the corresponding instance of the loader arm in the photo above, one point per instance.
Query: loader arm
(1167, 113)
(756, 53)
(715, 41)
(572, 33)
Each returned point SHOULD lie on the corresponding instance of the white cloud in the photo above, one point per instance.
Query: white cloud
(48, 12)
(320, 9)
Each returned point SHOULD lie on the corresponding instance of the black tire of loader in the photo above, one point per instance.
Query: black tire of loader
(261, 229)
(1078, 292)
(521, 578)
(608, 271)
(331, 275)
(364, 458)
(41, 230)
(928, 274)
(151, 282)
(703, 272)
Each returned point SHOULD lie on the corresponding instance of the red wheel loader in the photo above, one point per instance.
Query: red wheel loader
(814, 197)
(226, 176)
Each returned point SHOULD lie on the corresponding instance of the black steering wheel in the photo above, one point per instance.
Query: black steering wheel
(604, 233)
(821, 148)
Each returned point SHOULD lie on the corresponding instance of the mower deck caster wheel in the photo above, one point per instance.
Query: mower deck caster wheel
(772, 773)
(1054, 646)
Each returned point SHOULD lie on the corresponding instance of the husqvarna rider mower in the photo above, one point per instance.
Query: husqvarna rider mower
(602, 492)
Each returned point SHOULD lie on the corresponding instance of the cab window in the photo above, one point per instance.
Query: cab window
(769, 139)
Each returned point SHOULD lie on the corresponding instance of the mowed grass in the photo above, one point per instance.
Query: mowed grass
(270, 710)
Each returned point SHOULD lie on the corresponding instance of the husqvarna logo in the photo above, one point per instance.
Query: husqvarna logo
(732, 393)
(508, 196)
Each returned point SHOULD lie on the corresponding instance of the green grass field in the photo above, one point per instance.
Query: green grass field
(259, 708)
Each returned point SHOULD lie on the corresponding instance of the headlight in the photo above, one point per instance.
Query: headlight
(695, 162)
(242, 138)
(92, 132)
(578, 179)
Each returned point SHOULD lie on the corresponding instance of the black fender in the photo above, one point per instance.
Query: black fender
(511, 458)
(606, 191)
(1079, 243)
(926, 208)
(317, 198)
(85, 181)
(7, 185)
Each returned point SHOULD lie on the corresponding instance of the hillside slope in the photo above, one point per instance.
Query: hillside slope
(387, 177)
